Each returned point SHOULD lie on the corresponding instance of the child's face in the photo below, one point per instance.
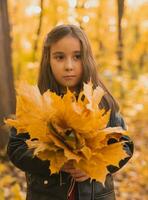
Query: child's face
(65, 61)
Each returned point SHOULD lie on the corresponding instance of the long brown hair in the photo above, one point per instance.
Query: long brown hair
(46, 79)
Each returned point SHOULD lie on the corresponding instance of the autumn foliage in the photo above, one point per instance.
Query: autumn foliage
(29, 25)
(69, 128)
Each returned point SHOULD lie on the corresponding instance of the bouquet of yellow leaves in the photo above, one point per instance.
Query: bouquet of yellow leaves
(69, 128)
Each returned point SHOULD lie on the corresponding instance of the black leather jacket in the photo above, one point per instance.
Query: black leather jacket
(43, 186)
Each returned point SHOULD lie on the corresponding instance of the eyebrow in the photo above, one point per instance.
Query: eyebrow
(60, 52)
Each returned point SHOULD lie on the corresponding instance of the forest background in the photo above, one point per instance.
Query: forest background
(117, 30)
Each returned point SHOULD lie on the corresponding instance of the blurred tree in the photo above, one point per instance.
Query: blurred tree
(7, 92)
(120, 6)
(80, 8)
(38, 31)
(102, 20)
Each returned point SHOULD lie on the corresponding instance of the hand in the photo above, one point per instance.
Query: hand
(76, 173)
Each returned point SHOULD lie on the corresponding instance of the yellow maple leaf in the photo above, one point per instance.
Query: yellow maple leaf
(69, 128)
(113, 153)
(93, 96)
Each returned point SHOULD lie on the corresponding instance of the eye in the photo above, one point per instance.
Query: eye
(77, 56)
(59, 57)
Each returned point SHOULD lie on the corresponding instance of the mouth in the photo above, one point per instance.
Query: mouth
(69, 77)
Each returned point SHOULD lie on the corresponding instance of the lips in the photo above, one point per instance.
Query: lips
(69, 76)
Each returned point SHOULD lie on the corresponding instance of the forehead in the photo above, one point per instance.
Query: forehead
(66, 44)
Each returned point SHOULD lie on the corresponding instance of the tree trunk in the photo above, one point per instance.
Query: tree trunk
(35, 48)
(7, 92)
(120, 7)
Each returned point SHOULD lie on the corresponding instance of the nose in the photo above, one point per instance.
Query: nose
(69, 64)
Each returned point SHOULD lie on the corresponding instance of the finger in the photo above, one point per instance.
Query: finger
(78, 176)
(81, 179)
(70, 162)
(68, 165)
(77, 172)
(67, 169)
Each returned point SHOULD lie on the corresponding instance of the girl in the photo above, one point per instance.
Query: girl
(67, 61)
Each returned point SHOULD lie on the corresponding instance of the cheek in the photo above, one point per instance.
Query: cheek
(80, 69)
(56, 70)
(54, 67)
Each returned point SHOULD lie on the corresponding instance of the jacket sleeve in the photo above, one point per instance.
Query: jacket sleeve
(117, 120)
(22, 157)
